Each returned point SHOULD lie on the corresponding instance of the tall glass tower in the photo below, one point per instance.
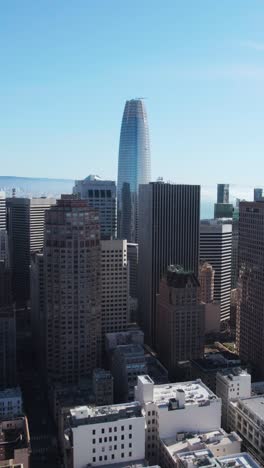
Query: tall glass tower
(133, 166)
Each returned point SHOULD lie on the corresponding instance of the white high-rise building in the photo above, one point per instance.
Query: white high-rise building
(2, 211)
(216, 248)
(115, 286)
(231, 385)
(105, 435)
(176, 407)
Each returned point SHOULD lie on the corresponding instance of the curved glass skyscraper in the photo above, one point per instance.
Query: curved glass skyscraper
(133, 166)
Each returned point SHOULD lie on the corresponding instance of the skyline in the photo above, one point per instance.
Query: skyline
(67, 72)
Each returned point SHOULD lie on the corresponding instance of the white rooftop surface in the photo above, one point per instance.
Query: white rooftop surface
(82, 412)
(202, 458)
(242, 460)
(255, 404)
(195, 392)
(209, 439)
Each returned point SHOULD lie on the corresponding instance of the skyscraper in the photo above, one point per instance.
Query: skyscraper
(2, 211)
(206, 280)
(168, 233)
(115, 286)
(223, 209)
(72, 264)
(101, 195)
(216, 248)
(7, 330)
(25, 235)
(250, 317)
(133, 166)
(258, 194)
(180, 319)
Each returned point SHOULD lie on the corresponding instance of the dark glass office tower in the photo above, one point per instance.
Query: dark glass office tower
(168, 234)
(133, 166)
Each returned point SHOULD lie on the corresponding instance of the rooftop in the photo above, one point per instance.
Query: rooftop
(196, 392)
(83, 415)
(200, 458)
(14, 392)
(177, 277)
(241, 460)
(254, 404)
(217, 360)
(233, 374)
(189, 441)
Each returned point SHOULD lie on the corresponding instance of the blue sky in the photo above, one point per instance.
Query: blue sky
(67, 67)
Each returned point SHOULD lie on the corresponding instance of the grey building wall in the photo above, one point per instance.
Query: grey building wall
(25, 235)
(101, 194)
(169, 217)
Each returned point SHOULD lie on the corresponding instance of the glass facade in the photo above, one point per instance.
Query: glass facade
(133, 166)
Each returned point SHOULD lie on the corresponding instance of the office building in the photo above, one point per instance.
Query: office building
(132, 336)
(37, 302)
(128, 361)
(2, 211)
(115, 286)
(216, 248)
(246, 415)
(7, 330)
(25, 234)
(169, 217)
(133, 166)
(132, 256)
(176, 408)
(207, 367)
(101, 195)
(103, 387)
(250, 317)
(14, 443)
(10, 403)
(72, 275)
(223, 209)
(180, 319)
(231, 385)
(105, 435)
(4, 254)
(206, 296)
(258, 194)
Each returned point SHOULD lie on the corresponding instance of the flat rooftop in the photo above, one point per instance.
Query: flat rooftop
(196, 392)
(217, 360)
(254, 404)
(83, 415)
(242, 460)
(187, 441)
(203, 458)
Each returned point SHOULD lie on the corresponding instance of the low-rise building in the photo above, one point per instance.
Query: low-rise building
(246, 417)
(218, 442)
(10, 403)
(177, 407)
(105, 435)
(207, 367)
(230, 386)
(14, 443)
(239, 460)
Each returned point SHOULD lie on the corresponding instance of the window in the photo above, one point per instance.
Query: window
(130, 454)
(93, 441)
(112, 456)
(103, 431)
(122, 437)
(130, 427)
(93, 431)
(130, 436)
(115, 429)
(94, 450)
(94, 459)
(122, 455)
(110, 429)
(122, 428)
(100, 440)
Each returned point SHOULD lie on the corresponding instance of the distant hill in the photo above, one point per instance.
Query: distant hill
(35, 187)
